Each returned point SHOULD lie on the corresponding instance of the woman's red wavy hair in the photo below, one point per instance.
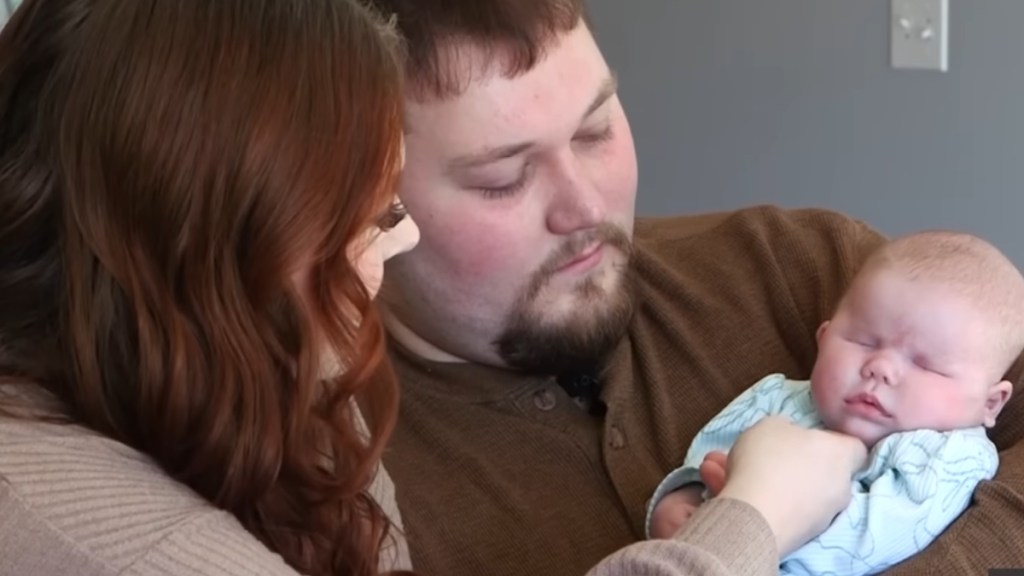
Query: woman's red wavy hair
(171, 173)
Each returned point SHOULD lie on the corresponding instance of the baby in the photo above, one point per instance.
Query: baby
(912, 363)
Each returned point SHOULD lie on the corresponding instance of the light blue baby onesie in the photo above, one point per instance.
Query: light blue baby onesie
(915, 485)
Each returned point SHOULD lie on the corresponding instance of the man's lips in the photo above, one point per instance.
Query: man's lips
(584, 257)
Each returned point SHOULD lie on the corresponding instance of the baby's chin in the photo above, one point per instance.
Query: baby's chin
(870, 433)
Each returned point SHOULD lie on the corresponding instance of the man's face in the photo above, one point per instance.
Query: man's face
(523, 189)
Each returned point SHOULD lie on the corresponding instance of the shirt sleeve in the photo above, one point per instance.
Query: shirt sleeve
(764, 398)
(917, 484)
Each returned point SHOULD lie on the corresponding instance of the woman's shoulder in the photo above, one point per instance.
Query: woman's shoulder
(92, 505)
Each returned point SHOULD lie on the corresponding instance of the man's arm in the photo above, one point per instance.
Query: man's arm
(817, 254)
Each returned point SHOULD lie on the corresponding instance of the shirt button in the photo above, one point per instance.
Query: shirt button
(544, 400)
(616, 438)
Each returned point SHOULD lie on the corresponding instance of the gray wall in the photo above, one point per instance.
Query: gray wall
(793, 102)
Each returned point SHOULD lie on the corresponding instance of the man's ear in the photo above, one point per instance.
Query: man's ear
(998, 395)
(821, 330)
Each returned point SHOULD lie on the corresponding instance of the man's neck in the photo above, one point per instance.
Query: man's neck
(413, 342)
(584, 386)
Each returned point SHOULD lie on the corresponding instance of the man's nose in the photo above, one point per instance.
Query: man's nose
(576, 204)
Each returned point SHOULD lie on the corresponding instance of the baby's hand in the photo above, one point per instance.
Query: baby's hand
(713, 471)
(675, 509)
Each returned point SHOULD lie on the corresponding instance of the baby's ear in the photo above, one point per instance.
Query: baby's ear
(821, 330)
(998, 395)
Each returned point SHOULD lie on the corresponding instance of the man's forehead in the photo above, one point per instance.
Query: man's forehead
(496, 100)
(457, 60)
(475, 79)
(488, 92)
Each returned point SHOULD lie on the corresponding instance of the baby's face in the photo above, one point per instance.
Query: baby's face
(903, 355)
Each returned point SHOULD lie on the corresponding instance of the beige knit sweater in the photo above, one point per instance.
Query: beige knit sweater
(73, 502)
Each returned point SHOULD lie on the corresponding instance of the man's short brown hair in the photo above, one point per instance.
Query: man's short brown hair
(511, 33)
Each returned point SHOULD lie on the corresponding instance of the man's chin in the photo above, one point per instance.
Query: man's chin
(571, 313)
(596, 293)
(575, 332)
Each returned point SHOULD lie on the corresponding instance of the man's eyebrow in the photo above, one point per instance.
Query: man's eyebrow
(608, 89)
(488, 156)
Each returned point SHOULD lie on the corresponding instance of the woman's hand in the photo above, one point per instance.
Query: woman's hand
(798, 479)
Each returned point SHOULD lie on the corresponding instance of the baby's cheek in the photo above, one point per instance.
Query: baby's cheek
(825, 399)
(935, 411)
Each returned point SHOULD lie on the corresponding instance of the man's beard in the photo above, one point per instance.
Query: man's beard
(532, 343)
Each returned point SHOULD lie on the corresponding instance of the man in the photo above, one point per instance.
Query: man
(556, 357)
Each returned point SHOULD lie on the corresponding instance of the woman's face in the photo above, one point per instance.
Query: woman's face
(397, 234)
(394, 233)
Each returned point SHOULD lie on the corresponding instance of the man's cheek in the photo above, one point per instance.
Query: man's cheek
(486, 248)
(485, 259)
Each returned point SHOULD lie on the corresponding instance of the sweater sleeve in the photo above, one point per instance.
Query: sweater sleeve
(706, 546)
(211, 544)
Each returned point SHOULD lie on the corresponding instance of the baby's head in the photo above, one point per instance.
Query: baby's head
(921, 339)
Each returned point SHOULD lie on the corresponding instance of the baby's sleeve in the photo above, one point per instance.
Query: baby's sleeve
(721, 433)
(917, 484)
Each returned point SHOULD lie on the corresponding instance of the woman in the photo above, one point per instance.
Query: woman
(192, 194)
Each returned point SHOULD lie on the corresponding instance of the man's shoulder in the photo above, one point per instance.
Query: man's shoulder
(741, 245)
(749, 220)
